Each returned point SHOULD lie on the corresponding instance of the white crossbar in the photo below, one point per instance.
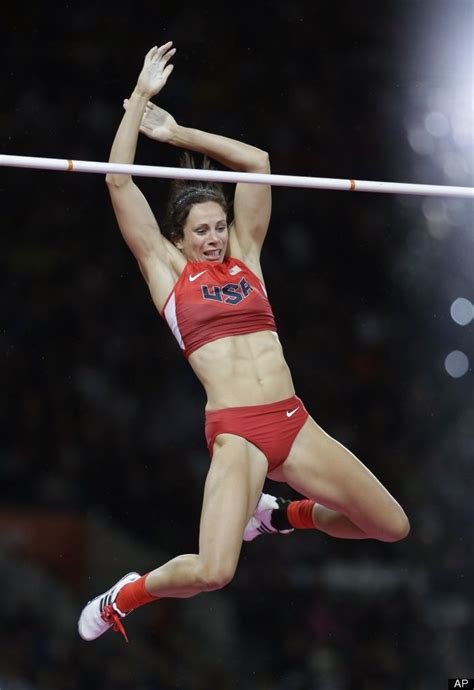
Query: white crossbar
(349, 185)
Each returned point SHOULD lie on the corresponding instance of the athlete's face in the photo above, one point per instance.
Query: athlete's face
(205, 233)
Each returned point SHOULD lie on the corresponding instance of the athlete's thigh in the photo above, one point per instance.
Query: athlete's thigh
(323, 469)
(231, 492)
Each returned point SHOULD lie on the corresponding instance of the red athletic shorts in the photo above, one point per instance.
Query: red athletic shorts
(272, 427)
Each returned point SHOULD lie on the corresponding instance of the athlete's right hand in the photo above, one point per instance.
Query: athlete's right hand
(155, 71)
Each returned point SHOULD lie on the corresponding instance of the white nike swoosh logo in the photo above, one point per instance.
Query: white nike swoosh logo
(290, 414)
(193, 278)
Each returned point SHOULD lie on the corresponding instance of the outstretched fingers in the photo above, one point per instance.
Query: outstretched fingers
(161, 56)
(167, 72)
(164, 48)
(162, 53)
(155, 71)
(167, 56)
(151, 53)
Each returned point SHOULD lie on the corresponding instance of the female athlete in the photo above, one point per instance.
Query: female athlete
(207, 283)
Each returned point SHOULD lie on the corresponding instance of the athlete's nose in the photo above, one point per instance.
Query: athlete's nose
(213, 236)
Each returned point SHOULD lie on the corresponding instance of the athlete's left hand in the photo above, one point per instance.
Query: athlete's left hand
(156, 123)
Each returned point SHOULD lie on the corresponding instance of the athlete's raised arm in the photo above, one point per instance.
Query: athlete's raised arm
(154, 253)
(252, 202)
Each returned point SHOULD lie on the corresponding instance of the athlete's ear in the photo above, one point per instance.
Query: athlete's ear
(177, 240)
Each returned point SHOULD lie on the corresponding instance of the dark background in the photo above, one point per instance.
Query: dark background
(102, 452)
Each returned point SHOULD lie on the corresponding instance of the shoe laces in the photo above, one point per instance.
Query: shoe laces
(110, 616)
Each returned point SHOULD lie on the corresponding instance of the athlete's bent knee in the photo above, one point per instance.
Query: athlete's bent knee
(398, 529)
(216, 578)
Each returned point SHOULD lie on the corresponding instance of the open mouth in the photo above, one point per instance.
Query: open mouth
(212, 254)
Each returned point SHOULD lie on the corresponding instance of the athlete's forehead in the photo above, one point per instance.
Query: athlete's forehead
(208, 212)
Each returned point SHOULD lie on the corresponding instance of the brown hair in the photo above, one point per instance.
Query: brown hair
(186, 193)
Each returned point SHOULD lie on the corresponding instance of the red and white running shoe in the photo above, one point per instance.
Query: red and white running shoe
(102, 613)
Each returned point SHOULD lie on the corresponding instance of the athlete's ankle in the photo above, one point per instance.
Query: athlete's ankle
(300, 514)
(134, 595)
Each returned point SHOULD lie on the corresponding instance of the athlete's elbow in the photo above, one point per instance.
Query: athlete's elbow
(262, 162)
(116, 181)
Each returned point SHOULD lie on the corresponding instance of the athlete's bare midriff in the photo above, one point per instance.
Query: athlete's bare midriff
(243, 370)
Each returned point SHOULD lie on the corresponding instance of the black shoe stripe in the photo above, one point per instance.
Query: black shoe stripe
(263, 529)
(105, 601)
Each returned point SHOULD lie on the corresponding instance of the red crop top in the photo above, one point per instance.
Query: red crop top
(216, 300)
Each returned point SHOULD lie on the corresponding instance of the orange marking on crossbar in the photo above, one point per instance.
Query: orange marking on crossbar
(70, 165)
(353, 185)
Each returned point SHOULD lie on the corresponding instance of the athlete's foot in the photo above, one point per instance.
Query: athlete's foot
(269, 518)
(102, 613)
